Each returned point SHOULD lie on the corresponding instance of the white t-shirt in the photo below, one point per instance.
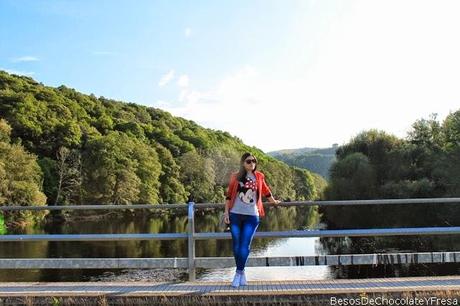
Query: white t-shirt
(246, 197)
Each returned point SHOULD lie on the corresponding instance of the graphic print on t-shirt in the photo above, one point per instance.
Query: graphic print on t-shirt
(247, 191)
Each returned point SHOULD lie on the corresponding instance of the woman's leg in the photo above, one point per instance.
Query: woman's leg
(235, 229)
(248, 229)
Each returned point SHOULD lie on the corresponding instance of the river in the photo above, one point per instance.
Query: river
(277, 219)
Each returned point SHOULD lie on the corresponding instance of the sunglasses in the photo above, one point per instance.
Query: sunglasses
(249, 161)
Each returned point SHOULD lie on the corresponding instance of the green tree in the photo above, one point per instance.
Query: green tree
(279, 177)
(20, 177)
(376, 145)
(451, 127)
(171, 188)
(225, 160)
(69, 177)
(198, 176)
(352, 177)
(304, 184)
(119, 169)
(427, 132)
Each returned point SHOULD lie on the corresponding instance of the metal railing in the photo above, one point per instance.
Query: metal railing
(191, 262)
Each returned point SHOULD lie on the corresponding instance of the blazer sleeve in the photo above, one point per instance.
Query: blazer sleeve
(266, 192)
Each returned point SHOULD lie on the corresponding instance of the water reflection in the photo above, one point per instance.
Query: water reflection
(391, 216)
(277, 219)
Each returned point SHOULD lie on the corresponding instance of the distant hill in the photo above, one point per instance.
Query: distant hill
(318, 160)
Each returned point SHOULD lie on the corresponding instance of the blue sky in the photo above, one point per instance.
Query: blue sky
(313, 73)
(121, 49)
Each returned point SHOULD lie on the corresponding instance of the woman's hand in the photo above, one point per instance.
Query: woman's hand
(226, 218)
(273, 201)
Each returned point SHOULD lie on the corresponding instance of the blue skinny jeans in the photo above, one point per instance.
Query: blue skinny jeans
(242, 228)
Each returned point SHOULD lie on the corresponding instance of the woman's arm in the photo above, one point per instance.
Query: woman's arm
(227, 205)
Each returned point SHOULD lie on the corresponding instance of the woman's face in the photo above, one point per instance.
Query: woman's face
(249, 163)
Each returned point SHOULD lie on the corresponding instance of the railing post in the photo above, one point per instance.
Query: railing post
(191, 241)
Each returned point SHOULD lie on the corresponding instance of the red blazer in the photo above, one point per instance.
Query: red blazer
(262, 189)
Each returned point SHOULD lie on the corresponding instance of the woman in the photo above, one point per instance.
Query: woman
(243, 209)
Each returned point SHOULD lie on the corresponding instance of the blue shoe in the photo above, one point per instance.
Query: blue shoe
(243, 281)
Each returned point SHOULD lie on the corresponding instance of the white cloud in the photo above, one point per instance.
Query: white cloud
(187, 32)
(183, 81)
(18, 72)
(166, 78)
(380, 65)
(27, 58)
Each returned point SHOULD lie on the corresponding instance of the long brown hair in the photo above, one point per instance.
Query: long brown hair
(242, 172)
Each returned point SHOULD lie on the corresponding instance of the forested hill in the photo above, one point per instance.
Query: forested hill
(318, 160)
(83, 149)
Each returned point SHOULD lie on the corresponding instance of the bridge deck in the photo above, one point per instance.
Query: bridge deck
(432, 283)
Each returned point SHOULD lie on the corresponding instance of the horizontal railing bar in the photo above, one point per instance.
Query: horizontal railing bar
(227, 235)
(95, 207)
(350, 202)
(229, 262)
(340, 233)
(344, 259)
(92, 237)
(219, 205)
(92, 263)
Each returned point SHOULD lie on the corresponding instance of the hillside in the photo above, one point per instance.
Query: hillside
(94, 150)
(318, 160)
